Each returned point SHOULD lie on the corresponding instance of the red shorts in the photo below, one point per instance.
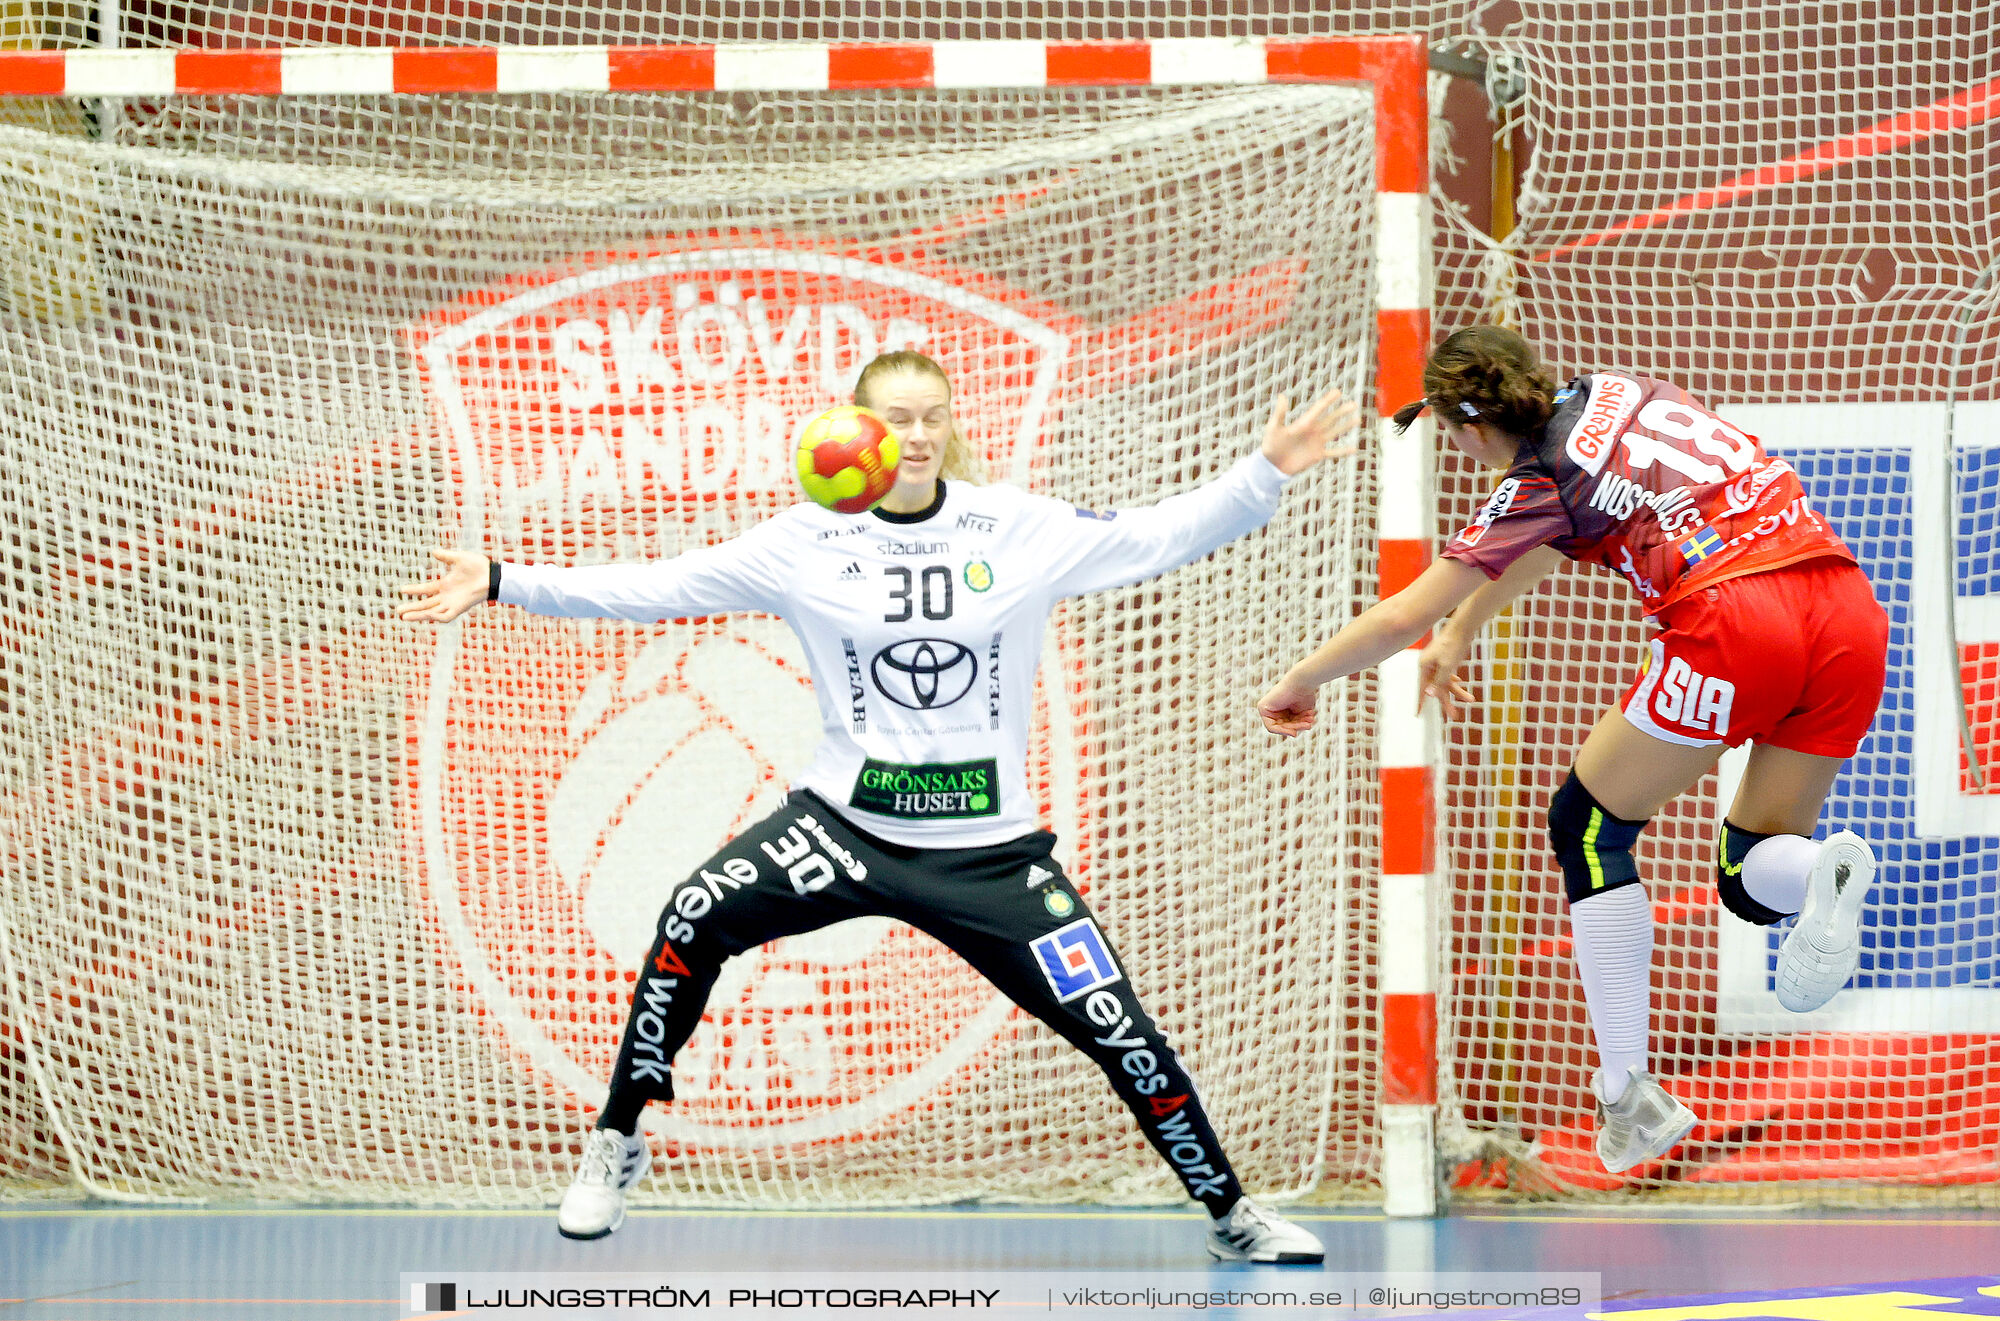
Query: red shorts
(1792, 657)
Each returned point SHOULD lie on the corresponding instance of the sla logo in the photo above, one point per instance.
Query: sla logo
(570, 774)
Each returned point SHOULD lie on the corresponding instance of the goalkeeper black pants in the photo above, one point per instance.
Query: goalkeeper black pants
(1008, 910)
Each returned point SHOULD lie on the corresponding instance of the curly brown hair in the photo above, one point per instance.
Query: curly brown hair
(1485, 374)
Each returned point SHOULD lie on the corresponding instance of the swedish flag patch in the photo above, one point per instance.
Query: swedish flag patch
(1701, 545)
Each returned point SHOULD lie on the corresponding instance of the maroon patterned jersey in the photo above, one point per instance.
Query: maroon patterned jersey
(1632, 474)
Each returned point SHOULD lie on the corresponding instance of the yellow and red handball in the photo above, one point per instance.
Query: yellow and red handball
(847, 459)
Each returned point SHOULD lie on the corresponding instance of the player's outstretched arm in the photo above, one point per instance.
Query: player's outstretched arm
(1295, 444)
(461, 586)
(1437, 667)
(1378, 633)
(1437, 670)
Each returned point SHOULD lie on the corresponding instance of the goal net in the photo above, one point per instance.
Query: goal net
(1787, 211)
(303, 902)
(1804, 242)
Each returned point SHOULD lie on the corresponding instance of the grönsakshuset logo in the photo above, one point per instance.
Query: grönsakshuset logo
(570, 774)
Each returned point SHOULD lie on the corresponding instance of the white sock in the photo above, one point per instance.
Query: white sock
(1614, 957)
(1775, 871)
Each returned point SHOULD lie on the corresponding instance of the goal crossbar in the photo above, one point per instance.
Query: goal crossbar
(1395, 64)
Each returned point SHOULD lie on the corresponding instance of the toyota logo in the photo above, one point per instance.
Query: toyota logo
(922, 673)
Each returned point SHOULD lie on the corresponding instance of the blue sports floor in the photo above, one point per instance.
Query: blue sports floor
(114, 1264)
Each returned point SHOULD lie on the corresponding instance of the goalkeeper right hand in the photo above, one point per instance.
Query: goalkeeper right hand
(442, 599)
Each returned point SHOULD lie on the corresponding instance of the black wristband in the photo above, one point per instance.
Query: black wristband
(493, 580)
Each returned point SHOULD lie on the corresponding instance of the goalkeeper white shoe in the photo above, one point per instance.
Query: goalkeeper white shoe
(1643, 1124)
(1256, 1233)
(595, 1202)
(1824, 946)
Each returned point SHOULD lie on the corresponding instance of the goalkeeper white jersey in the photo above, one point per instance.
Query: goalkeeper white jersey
(922, 630)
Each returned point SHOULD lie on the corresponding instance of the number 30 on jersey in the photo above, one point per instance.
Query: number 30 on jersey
(911, 590)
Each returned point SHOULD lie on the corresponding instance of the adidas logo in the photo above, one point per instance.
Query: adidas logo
(1037, 874)
(852, 573)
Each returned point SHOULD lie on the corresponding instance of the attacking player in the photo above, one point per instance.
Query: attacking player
(922, 623)
(1768, 633)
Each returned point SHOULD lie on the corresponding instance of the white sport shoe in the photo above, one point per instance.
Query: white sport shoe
(595, 1202)
(1256, 1233)
(1824, 947)
(1644, 1124)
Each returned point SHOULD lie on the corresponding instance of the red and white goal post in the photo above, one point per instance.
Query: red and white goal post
(305, 903)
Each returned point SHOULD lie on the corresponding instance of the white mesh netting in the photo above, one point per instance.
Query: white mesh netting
(1787, 207)
(1789, 211)
(304, 902)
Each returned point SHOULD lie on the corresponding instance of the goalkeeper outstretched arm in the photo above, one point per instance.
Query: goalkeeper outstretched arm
(465, 581)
